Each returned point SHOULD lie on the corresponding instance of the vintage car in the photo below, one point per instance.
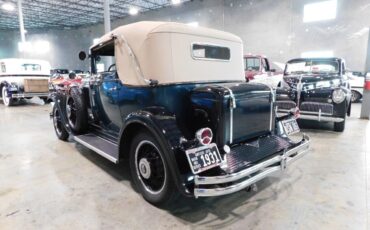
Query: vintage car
(318, 88)
(185, 120)
(23, 78)
(258, 68)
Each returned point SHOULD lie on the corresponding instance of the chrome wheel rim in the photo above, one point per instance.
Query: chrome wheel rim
(71, 112)
(354, 96)
(5, 98)
(150, 167)
(57, 122)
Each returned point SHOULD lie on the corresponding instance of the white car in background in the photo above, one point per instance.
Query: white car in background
(23, 79)
(356, 80)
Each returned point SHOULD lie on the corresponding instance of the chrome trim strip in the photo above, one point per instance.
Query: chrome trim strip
(272, 106)
(232, 106)
(315, 117)
(98, 151)
(262, 169)
(21, 95)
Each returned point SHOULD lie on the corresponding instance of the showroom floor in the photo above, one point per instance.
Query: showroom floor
(49, 184)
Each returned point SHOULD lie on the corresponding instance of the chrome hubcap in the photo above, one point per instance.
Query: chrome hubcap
(144, 168)
(150, 167)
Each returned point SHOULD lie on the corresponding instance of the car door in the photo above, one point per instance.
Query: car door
(106, 100)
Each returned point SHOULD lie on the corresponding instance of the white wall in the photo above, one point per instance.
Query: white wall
(271, 27)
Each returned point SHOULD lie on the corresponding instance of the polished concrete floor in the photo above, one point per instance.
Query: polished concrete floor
(49, 184)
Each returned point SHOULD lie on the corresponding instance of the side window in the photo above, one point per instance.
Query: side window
(210, 52)
(252, 64)
(3, 68)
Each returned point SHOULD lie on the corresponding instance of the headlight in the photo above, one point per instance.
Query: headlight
(13, 87)
(338, 96)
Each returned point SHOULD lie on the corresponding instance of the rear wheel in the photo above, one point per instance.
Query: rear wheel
(76, 111)
(60, 130)
(150, 170)
(356, 96)
(7, 101)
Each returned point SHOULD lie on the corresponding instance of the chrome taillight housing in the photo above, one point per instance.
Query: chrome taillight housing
(204, 136)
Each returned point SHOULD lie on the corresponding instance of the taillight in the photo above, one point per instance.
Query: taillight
(204, 136)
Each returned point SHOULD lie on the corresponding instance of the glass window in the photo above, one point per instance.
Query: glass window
(312, 66)
(31, 67)
(252, 64)
(204, 51)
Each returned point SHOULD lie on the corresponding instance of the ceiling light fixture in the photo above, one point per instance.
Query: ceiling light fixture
(8, 6)
(133, 11)
(176, 2)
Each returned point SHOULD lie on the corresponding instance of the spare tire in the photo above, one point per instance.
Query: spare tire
(76, 111)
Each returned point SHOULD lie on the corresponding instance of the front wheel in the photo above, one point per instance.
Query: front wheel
(150, 170)
(339, 126)
(60, 130)
(7, 101)
(76, 111)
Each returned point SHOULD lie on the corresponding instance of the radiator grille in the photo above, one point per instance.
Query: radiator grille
(316, 106)
(285, 105)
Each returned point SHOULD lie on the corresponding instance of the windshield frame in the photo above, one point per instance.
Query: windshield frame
(316, 60)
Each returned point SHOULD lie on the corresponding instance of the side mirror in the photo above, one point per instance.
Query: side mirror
(82, 55)
(273, 70)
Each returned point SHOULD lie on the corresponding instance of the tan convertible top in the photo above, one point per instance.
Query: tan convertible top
(162, 51)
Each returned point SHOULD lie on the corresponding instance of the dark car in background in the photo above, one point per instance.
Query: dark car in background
(318, 88)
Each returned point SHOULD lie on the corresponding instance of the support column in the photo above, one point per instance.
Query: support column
(21, 24)
(106, 16)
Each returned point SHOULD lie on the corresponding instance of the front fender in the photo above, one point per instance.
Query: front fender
(162, 124)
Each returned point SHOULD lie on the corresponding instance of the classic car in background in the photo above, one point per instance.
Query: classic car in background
(356, 80)
(23, 78)
(318, 87)
(185, 120)
(59, 72)
(259, 69)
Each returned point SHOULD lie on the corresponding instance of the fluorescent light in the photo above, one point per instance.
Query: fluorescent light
(24, 47)
(39, 47)
(317, 54)
(96, 41)
(8, 6)
(194, 24)
(176, 2)
(133, 11)
(320, 11)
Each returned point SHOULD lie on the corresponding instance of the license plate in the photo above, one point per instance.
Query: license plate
(290, 126)
(203, 158)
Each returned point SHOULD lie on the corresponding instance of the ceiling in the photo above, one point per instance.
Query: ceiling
(71, 13)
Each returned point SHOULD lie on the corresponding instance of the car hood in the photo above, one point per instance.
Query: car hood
(313, 81)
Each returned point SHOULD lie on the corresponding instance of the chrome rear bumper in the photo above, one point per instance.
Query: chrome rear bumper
(253, 174)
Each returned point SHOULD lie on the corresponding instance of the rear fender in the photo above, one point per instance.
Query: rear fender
(162, 125)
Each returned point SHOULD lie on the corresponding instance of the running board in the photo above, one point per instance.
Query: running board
(99, 145)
